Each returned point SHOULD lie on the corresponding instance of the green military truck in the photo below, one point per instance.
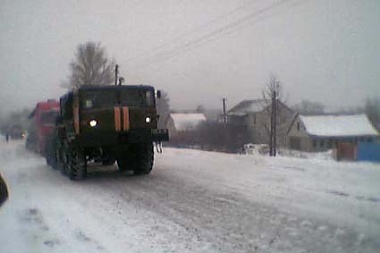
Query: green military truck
(106, 124)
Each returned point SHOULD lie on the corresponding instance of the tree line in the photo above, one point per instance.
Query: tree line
(91, 66)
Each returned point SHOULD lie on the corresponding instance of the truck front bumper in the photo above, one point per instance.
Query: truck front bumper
(94, 139)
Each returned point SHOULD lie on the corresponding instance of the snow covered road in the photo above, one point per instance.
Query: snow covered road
(192, 201)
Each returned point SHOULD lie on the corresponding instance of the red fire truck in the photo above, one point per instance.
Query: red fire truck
(43, 120)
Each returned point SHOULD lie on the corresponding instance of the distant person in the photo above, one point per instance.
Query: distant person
(7, 137)
(3, 191)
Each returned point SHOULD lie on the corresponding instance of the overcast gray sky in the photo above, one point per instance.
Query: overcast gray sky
(199, 51)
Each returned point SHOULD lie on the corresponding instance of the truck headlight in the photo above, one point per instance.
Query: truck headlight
(93, 123)
(148, 119)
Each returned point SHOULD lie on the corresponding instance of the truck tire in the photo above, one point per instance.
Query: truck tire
(127, 160)
(63, 154)
(3, 191)
(77, 165)
(108, 162)
(123, 164)
(50, 154)
(144, 159)
(64, 165)
(51, 161)
(51, 158)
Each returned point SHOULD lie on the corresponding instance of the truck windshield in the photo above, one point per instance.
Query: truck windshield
(48, 118)
(137, 97)
(98, 99)
(127, 97)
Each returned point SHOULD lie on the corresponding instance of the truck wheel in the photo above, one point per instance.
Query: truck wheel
(50, 153)
(48, 160)
(144, 159)
(123, 164)
(64, 164)
(127, 161)
(51, 161)
(63, 154)
(77, 165)
(108, 162)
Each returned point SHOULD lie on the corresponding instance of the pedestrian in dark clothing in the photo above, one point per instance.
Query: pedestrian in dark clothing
(7, 137)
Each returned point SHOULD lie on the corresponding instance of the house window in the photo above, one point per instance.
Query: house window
(369, 140)
(322, 143)
(314, 143)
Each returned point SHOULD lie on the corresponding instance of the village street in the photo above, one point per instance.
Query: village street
(193, 201)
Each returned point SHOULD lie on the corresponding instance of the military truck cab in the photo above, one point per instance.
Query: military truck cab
(107, 124)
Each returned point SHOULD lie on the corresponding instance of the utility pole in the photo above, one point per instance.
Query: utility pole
(116, 73)
(121, 81)
(273, 125)
(224, 111)
(272, 137)
(225, 129)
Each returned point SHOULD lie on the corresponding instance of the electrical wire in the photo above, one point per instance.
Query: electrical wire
(192, 31)
(213, 35)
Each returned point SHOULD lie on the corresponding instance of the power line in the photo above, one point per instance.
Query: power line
(211, 36)
(192, 31)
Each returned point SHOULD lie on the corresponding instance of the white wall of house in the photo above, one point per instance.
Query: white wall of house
(298, 138)
(255, 116)
(260, 124)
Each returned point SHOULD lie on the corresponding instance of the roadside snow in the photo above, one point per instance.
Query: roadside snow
(46, 212)
(194, 201)
(342, 192)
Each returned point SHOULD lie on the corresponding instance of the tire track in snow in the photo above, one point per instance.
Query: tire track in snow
(228, 221)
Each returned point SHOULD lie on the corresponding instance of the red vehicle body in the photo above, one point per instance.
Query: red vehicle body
(42, 125)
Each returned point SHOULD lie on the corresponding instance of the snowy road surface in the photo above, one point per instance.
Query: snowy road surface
(192, 201)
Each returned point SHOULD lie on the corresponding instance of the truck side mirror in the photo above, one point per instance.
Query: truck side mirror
(158, 94)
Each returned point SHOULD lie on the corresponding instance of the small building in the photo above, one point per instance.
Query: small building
(179, 123)
(321, 133)
(255, 116)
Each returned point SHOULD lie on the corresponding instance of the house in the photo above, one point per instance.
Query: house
(320, 133)
(179, 123)
(254, 116)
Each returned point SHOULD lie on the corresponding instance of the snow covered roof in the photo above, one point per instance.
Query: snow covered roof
(248, 106)
(338, 125)
(187, 121)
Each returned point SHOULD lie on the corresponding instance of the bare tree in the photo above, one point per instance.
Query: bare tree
(278, 114)
(200, 109)
(307, 107)
(272, 93)
(273, 86)
(90, 66)
(372, 109)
